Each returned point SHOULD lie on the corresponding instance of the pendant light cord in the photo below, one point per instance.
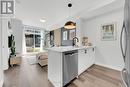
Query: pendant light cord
(70, 6)
(70, 24)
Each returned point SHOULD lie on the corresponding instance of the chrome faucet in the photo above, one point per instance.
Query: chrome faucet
(75, 39)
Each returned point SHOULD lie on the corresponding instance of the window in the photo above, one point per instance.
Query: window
(33, 38)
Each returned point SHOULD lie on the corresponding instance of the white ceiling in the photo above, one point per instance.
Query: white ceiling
(53, 11)
(117, 5)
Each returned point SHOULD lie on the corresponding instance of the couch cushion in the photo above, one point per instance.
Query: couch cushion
(43, 57)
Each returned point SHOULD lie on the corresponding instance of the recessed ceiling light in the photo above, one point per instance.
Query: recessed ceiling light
(43, 20)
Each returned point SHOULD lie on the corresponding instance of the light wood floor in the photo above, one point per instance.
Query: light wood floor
(28, 75)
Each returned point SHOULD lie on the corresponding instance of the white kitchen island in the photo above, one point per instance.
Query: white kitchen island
(86, 58)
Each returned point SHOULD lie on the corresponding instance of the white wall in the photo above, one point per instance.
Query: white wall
(17, 28)
(23, 43)
(108, 53)
(79, 26)
(5, 52)
(1, 70)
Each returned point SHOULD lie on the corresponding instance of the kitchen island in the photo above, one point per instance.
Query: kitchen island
(66, 63)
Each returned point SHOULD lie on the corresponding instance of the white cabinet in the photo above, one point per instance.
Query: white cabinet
(86, 58)
(55, 68)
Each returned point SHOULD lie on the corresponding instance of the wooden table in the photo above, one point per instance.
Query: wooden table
(15, 60)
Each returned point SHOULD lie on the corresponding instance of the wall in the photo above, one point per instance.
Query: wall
(5, 50)
(108, 53)
(66, 42)
(1, 70)
(24, 51)
(17, 28)
(78, 22)
(79, 27)
(57, 37)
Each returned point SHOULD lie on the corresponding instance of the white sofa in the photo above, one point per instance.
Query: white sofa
(42, 58)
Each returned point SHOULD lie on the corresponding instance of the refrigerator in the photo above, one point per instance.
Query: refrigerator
(125, 44)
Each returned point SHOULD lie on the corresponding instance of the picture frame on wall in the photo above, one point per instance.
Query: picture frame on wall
(108, 32)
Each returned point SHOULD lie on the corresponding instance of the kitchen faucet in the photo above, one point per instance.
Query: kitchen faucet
(74, 41)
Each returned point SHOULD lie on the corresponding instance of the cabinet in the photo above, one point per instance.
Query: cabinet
(62, 63)
(86, 58)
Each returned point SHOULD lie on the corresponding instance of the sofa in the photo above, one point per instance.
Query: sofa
(42, 58)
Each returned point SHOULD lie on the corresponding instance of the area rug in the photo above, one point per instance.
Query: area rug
(32, 60)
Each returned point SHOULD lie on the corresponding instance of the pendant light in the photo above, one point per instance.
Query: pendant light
(70, 24)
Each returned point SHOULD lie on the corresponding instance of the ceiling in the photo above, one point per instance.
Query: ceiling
(53, 11)
(117, 5)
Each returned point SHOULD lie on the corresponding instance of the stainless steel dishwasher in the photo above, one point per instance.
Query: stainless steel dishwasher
(70, 66)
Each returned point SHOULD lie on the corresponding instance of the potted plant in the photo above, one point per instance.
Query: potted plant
(12, 48)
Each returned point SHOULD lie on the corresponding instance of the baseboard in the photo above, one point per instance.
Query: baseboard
(111, 67)
(1, 83)
(5, 67)
(84, 69)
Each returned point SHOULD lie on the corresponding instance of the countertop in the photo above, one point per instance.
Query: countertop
(68, 48)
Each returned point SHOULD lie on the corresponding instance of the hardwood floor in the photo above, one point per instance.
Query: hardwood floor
(98, 76)
(28, 75)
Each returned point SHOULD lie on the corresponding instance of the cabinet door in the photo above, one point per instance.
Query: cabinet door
(91, 56)
(82, 60)
(86, 58)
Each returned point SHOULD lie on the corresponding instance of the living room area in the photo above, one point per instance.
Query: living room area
(27, 55)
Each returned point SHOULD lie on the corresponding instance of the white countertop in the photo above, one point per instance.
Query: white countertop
(68, 48)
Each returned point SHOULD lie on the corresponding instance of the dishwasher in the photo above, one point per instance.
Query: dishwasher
(70, 66)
